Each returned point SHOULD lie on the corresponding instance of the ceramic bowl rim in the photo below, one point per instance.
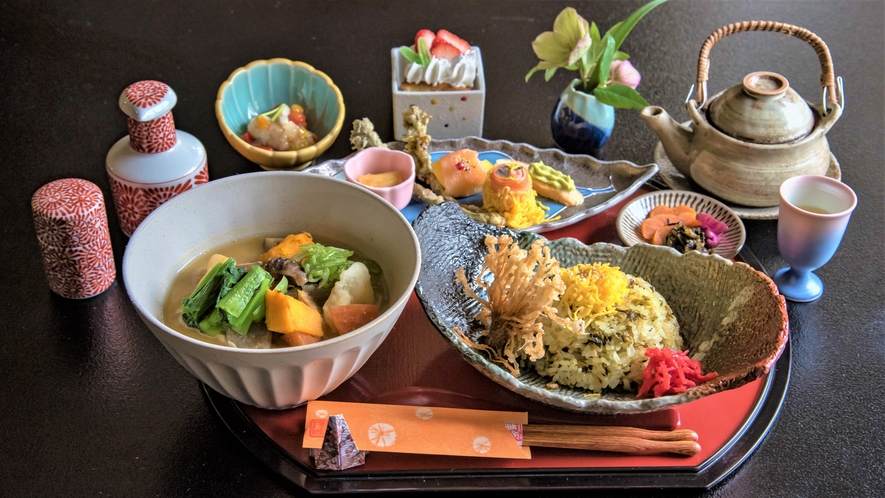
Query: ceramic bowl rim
(158, 325)
(308, 153)
(620, 223)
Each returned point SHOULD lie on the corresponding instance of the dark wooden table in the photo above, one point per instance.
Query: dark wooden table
(92, 405)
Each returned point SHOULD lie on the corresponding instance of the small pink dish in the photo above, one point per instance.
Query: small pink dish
(376, 160)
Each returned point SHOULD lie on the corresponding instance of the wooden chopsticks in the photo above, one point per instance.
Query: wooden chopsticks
(612, 438)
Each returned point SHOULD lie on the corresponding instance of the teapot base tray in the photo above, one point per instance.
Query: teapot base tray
(677, 181)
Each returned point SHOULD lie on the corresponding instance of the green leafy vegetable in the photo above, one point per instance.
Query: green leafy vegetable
(242, 323)
(274, 113)
(204, 297)
(213, 324)
(235, 301)
(324, 264)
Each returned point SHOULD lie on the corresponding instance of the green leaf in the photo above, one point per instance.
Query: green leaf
(549, 73)
(594, 33)
(620, 31)
(424, 52)
(410, 55)
(620, 96)
(620, 56)
(531, 72)
(605, 60)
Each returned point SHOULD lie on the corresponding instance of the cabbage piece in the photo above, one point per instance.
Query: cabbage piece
(323, 264)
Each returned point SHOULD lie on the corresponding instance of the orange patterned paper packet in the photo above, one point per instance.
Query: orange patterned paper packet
(421, 429)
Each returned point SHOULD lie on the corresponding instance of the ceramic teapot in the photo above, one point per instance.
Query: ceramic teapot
(742, 143)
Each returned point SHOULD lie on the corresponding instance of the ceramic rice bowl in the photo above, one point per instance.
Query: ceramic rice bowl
(733, 308)
(263, 84)
(265, 203)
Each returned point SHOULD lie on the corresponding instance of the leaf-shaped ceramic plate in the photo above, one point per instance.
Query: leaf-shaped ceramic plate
(603, 183)
(737, 309)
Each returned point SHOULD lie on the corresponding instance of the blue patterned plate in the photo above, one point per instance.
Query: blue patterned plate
(603, 183)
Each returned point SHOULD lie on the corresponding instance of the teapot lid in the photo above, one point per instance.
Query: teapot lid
(763, 109)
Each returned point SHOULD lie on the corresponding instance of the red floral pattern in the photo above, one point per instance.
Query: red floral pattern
(150, 137)
(72, 228)
(134, 203)
(146, 93)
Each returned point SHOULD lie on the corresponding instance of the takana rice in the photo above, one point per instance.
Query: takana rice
(611, 350)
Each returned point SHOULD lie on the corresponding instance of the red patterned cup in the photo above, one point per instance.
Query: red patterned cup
(72, 229)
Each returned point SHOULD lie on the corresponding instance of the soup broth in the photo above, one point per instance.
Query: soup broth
(245, 250)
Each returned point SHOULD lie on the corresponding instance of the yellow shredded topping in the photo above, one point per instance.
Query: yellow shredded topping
(593, 290)
(519, 209)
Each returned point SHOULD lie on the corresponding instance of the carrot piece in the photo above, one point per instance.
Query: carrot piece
(660, 210)
(651, 225)
(684, 209)
(352, 316)
(287, 315)
(660, 235)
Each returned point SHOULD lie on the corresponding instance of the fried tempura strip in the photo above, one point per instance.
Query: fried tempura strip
(524, 286)
(364, 136)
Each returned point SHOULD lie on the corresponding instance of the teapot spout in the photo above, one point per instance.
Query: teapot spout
(675, 138)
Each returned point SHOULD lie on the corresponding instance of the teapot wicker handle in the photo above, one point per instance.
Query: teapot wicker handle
(827, 78)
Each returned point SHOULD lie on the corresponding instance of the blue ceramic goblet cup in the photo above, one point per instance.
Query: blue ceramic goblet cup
(813, 214)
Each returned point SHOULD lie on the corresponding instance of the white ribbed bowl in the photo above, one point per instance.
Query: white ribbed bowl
(636, 211)
(267, 203)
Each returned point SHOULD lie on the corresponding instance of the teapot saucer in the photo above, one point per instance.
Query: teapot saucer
(677, 181)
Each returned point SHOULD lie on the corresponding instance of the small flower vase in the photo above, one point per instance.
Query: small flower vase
(580, 124)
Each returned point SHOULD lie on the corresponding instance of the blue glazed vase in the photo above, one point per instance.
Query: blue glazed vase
(581, 124)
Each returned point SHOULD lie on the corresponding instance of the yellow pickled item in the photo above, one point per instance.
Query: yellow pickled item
(381, 180)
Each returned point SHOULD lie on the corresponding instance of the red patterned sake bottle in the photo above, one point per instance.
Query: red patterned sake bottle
(155, 162)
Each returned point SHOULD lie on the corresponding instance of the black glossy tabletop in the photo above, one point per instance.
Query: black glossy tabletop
(91, 404)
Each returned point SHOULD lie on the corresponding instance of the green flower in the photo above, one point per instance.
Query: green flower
(565, 44)
(576, 45)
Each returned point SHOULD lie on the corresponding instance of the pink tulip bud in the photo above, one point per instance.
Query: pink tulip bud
(624, 73)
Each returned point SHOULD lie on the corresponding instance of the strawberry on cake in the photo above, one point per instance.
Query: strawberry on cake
(440, 61)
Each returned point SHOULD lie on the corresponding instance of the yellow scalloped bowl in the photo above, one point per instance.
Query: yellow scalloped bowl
(263, 84)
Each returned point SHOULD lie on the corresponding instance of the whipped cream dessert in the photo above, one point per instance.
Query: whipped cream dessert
(459, 72)
(439, 61)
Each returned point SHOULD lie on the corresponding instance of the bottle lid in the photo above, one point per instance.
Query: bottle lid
(72, 230)
(147, 100)
(148, 104)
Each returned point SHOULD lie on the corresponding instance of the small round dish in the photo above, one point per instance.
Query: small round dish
(632, 215)
(376, 160)
(263, 84)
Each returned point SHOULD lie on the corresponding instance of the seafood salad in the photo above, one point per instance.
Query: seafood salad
(282, 128)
